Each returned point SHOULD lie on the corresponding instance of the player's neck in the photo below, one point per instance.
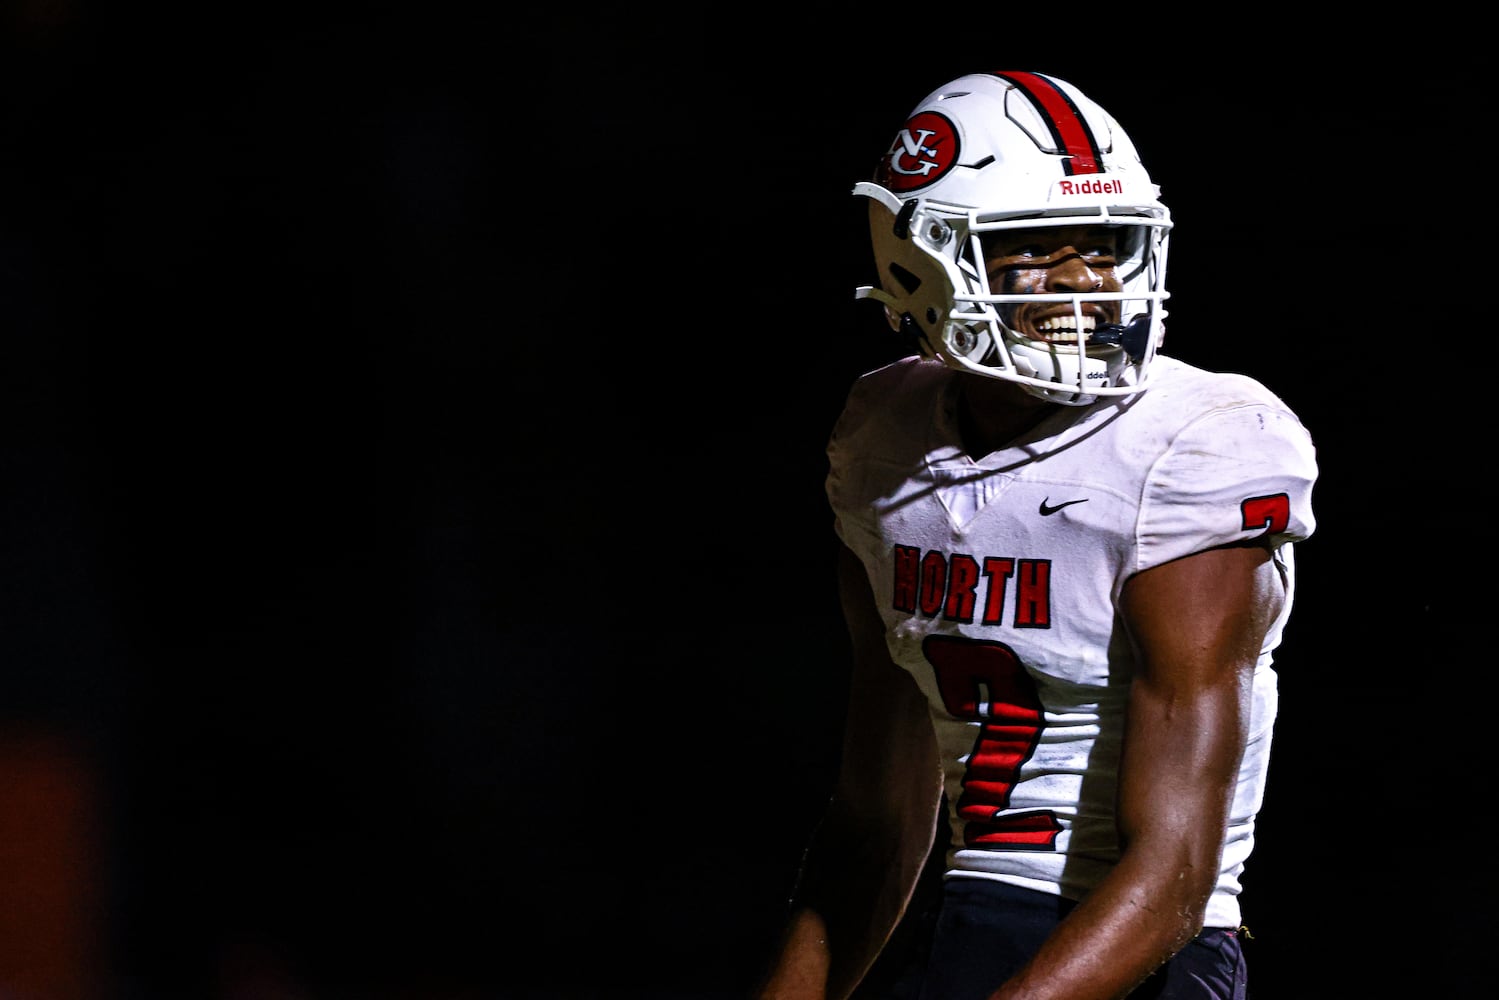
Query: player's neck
(992, 413)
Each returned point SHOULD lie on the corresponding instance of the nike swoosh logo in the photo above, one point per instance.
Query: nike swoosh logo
(1048, 511)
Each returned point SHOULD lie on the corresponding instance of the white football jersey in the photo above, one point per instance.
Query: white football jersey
(999, 578)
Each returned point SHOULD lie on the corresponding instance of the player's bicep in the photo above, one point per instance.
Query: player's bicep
(1198, 624)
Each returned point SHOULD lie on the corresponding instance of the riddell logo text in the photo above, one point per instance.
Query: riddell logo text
(1095, 186)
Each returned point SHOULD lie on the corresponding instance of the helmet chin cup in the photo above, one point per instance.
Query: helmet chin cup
(1098, 369)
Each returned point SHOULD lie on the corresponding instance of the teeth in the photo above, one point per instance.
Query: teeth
(1063, 329)
(1069, 323)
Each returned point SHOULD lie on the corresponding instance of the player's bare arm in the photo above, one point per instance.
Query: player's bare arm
(1198, 624)
(868, 850)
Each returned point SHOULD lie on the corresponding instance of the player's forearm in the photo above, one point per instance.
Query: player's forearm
(840, 893)
(1172, 818)
(800, 970)
(1130, 924)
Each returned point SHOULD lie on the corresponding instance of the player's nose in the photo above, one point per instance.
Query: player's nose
(1071, 273)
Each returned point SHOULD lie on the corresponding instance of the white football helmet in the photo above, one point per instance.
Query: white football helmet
(994, 151)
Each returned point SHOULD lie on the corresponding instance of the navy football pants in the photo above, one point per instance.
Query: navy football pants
(982, 931)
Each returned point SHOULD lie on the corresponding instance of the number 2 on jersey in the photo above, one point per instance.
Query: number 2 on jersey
(986, 682)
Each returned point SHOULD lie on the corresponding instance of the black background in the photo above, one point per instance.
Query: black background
(412, 453)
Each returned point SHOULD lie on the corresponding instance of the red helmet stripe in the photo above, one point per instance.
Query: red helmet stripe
(1068, 128)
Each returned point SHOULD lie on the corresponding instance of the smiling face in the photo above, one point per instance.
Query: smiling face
(1058, 259)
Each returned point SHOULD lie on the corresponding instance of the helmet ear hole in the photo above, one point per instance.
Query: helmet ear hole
(907, 280)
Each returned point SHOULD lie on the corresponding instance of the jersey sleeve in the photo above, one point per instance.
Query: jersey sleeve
(1236, 473)
(869, 445)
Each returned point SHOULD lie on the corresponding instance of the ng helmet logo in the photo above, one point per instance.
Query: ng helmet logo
(924, 150)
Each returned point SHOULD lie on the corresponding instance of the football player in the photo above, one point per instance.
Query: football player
(1066, 566)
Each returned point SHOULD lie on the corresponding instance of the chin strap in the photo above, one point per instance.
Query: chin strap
(912, 335)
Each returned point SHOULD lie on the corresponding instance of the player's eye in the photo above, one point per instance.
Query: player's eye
(1013, 257)
(1024, 251)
